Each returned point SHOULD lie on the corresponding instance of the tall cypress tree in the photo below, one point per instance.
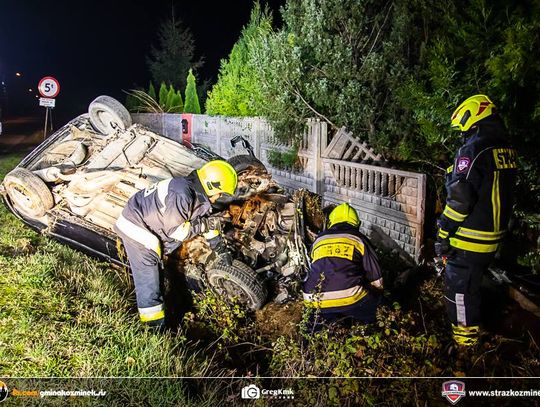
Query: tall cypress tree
(238, 89)
(162, 95)
(192, 100)
(170, 99)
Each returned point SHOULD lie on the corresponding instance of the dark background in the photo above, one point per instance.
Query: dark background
(100, 47)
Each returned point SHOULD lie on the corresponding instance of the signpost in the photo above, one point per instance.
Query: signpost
(48, 88)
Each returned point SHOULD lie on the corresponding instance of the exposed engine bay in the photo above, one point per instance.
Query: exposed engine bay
(265, 231)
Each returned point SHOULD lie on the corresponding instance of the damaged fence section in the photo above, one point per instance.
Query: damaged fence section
(391, 203)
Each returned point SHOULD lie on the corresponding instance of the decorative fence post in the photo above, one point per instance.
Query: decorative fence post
(258, 135)
(318, 137)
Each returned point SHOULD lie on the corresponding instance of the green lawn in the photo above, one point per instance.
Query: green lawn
(64, 314)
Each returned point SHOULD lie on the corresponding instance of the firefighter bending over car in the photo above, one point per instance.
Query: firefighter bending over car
(165, 214)
(479, 188)
(345, 280)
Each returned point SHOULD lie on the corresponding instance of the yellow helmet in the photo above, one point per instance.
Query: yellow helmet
(218, 176)
(472, 110)
(343, 213)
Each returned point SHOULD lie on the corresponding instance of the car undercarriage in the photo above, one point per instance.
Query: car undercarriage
(84, 174)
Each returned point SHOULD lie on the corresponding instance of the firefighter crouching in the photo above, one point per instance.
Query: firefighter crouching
(345, 280)
(479, 188)
(165, 214)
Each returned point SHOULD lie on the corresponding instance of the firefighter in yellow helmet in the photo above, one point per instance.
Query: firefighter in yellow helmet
(164, 215)
(345, 281)
(479, 186)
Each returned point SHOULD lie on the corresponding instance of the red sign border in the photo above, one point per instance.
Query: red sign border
(57, 86)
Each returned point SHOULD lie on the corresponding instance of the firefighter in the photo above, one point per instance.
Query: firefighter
(478, 208)
(345, 280)
(165, 214)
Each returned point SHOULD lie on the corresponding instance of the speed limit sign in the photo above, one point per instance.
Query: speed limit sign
(49, 87)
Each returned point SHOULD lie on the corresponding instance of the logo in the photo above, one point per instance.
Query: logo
(3, 391)
(453, 390)
(213, 184)
(251, 392)
(463, 163)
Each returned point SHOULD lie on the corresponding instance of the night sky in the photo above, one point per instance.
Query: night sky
(99, 47)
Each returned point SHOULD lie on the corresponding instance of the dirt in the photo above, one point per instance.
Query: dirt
(275, 320)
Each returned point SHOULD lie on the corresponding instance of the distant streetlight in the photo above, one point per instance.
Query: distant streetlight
(30, 90)
(18, 74)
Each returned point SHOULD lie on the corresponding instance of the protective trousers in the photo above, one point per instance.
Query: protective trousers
(144, 264)
(363, 311)
(463, 278)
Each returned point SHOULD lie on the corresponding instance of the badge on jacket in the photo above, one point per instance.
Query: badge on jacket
(463, 164)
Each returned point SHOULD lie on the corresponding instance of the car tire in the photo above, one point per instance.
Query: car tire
(238, 280)
(246, 162)
(108, 114)
(28, 193)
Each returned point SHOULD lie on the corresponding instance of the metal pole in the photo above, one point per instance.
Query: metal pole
(46, 120)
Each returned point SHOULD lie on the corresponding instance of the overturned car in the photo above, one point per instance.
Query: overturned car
(75, 184)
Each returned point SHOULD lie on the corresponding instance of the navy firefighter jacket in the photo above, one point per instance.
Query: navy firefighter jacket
(164, 207)
(343, 264)
(480, 190)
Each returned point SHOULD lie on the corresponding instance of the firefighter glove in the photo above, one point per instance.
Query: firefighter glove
(442, 247)
(203, 225)
(221, 253)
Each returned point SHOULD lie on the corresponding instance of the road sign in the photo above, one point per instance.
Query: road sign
(47, 102)
(49, 87)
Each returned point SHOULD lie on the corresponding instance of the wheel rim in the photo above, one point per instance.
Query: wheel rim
(21, 198)
(230, 290)
(108, 120)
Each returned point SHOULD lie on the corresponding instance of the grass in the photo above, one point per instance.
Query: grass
(66, 315)
(63, 314)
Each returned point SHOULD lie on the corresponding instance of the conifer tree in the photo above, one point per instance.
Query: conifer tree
(162, 95)
(192, 100)
(238, 89)
(179, 102)
(170, 99)
(173, 54)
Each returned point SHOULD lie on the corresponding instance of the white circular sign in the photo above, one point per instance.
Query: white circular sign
(49, 87)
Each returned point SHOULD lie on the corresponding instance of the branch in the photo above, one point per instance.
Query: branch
(297, 93)
(430, 163)
(377, 36)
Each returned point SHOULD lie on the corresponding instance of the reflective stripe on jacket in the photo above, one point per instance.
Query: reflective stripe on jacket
(343, 263)
(480, 191)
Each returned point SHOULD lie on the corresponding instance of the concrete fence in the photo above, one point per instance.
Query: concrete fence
(390, 202)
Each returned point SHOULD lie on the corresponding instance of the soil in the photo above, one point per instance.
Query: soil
(275, 320)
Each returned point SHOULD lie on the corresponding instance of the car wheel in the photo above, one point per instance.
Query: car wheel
(238, 281)
(108, 114)
(246, 162)
(28, 193)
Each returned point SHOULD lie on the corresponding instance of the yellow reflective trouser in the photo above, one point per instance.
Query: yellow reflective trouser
(465, 335)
